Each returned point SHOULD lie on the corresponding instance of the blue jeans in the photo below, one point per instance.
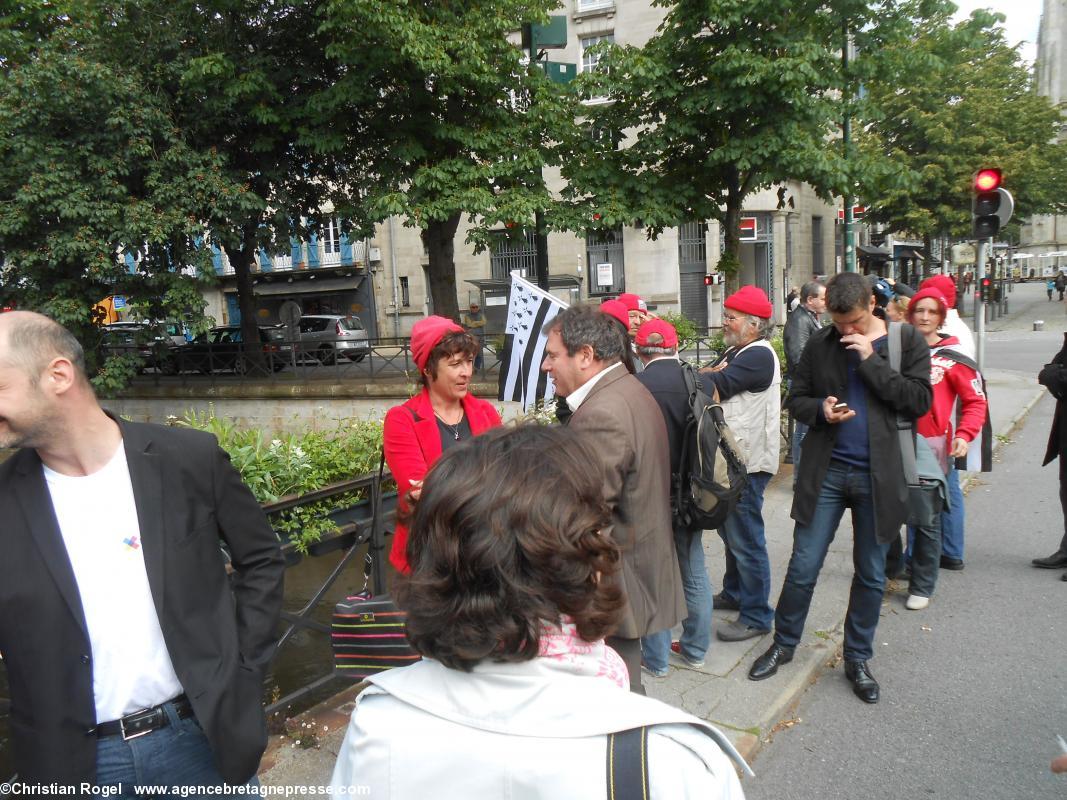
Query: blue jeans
(748, 570)
(952, 518)
(843, 487)
(175, 756)
(696, 628)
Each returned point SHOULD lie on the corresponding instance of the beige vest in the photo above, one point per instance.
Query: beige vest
(756, 418)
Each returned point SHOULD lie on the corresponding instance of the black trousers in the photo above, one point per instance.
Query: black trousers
(1063, 503)
(629, 651)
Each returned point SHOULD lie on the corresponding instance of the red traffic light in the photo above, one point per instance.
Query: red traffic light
(709, 280)
(987, 180)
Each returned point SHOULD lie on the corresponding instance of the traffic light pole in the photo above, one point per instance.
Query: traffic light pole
(979, 302)
(848, 239)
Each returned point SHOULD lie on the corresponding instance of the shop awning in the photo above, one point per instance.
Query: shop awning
(909, 252)
(873, 253)
(554, 282)
(281, 286)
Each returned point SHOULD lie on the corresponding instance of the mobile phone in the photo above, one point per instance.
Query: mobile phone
(842, 406)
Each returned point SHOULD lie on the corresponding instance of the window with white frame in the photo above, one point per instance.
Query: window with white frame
(593, 5)
(332, 236)
(590, 61)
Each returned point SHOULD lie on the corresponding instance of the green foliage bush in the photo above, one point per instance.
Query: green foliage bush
(294, 464)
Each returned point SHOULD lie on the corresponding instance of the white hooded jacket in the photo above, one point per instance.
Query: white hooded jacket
(536, 729)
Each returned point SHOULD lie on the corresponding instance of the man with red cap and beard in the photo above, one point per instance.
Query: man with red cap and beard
(748, 378)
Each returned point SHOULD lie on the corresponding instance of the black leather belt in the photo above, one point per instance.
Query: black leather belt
(145, 721)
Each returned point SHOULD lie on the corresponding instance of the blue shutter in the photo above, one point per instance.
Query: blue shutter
(265, 264)
(313, 252)
(131, 262)
(233, 310)
(216, 259)
(346, 250)
(298, 251)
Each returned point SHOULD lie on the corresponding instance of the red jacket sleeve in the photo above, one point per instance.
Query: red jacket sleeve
(404, 456)
(968, 386)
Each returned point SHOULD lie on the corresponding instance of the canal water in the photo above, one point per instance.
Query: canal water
(304, 658)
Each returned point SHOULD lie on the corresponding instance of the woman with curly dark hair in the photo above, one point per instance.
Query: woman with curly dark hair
(512, 588)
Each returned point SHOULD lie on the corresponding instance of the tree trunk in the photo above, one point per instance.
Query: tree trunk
(732, 237)
(251, 347)
(928, 252)
(440, 240)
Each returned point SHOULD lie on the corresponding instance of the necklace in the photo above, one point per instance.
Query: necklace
(453, 428)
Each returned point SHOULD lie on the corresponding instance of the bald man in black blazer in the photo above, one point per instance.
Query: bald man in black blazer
(213, 635)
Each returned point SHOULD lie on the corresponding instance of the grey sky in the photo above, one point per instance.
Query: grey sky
(1023, 18)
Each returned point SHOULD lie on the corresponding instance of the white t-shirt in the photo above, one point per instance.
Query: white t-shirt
(98, 519)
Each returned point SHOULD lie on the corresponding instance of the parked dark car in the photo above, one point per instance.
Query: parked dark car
(154, 349)
(220, 349)
(327, 336)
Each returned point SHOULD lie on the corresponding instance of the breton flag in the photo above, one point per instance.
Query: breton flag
(521, 378)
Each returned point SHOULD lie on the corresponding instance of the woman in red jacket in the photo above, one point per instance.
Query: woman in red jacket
(952, 376)
(441, 416)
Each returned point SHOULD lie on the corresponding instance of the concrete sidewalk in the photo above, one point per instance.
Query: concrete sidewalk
(720, 692)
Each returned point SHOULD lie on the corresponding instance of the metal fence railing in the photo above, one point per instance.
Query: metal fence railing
(283, 361)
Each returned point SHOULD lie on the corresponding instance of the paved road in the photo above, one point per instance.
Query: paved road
(975, 687)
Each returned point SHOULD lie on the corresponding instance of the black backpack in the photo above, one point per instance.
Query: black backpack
(712, 473)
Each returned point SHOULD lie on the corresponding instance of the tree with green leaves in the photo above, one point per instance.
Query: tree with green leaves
(153, 127)
(728, 97)
(463, 123)
(963, 100)
(90, 164)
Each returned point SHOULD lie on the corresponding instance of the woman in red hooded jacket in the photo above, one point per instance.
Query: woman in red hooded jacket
(952, 377)
(443, 415)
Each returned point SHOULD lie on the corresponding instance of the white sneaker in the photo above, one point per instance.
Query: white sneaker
(916, 602)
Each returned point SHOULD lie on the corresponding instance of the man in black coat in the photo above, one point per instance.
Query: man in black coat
(804, 320)
(657, 347)
(1053, 376)
(132, 658)
(847, 393)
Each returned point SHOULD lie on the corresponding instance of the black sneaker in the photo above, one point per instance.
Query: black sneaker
(724, 603)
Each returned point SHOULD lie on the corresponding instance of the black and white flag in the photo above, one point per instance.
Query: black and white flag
(521, 378)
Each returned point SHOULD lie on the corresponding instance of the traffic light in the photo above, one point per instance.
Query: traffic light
(709, 280)
(991, 204)
(985, 290)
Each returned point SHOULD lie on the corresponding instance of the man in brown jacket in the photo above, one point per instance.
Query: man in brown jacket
(583, 358)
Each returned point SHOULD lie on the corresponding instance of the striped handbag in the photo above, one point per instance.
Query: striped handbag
(368, 636)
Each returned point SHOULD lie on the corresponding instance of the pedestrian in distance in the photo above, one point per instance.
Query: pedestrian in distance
(132, 657)
(583, 356)
(1061, 284)
(514, 584)
(1050, 285)
(1053, 376)
(954, 379)
(474, 321)
(748, 378)
(657, 347)
(850, 396)
(803, 321)
(443, 415)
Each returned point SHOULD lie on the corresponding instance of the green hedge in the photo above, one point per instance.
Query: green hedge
(293, 464)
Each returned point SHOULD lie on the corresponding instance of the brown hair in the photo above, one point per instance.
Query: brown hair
(510, 530)
(451, 344)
